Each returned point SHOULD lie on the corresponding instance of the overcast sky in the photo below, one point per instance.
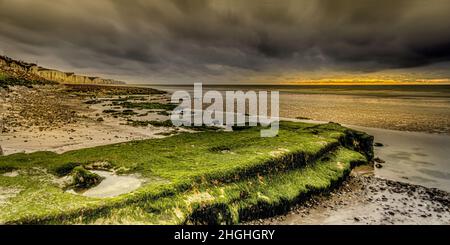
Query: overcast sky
(226, 41)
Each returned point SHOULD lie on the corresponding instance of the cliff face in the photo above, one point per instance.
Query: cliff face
(21, 68)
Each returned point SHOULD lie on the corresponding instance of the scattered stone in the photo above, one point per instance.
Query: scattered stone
(378, 165)
(11, 174)
(378, 144)
(380, 201)
(378, 160)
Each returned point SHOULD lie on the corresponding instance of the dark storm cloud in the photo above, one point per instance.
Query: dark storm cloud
(226, 39)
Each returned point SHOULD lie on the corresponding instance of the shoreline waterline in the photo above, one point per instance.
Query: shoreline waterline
(412, 156)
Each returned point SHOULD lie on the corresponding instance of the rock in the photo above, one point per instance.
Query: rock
(378, 165)
(105, 166)
(84, 179)
(378, 144)
(378, 160)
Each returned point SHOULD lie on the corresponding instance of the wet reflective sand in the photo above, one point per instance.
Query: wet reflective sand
(422, 114)
(413, 157)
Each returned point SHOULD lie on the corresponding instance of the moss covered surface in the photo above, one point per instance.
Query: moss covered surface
(209, 177)
(84, 179)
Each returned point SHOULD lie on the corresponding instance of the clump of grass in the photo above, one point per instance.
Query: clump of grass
(168, 133)
(107, 90)
(166, 123)
(127, 98)
(163, 113)
(203, 128)
(6, 81)
(84, 179)
(2, 77)
(128, 113)
(65, 169)
(220, 148)
(303, 118)
(124, 113)
(146, 105)
(6, 169)
(110, 111)
(93, 102)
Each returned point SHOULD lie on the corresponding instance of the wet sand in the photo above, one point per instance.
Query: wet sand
(371, 201)
(412, 157)
(73, 137)
(397, 107)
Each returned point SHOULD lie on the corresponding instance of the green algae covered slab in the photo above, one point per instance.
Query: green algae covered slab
(206, 177)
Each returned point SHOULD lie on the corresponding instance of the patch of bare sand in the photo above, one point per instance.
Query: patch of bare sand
(73, 137)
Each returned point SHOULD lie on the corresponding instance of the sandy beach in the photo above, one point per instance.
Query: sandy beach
(50, 119)
(412, 157)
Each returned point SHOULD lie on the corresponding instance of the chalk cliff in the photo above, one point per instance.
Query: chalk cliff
(33, 71)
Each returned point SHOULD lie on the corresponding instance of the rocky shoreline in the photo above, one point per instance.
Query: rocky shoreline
(371, 201)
